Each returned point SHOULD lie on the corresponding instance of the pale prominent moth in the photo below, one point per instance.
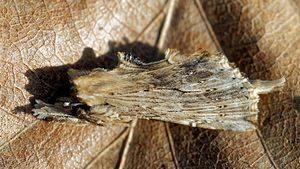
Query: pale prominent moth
(199, 90)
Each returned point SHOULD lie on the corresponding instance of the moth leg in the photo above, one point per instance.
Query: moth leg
(105, 115)
(57, 112)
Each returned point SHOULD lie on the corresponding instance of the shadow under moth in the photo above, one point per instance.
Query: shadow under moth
(199, 90)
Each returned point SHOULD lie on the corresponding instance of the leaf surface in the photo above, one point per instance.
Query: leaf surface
(41, 40)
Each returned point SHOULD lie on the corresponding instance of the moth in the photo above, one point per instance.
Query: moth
(200, 90)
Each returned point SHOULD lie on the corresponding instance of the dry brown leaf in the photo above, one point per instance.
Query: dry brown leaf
(41, 40)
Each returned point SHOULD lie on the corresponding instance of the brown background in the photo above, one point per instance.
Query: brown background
(41, 40)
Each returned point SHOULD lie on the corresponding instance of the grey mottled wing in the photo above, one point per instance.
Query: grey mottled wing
(200, 90)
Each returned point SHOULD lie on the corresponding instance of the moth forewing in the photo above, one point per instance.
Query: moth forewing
(200, 90)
